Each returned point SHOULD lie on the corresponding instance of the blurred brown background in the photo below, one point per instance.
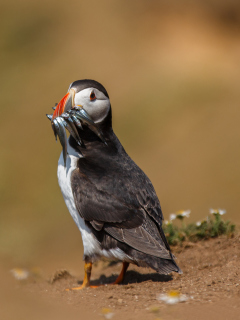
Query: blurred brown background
(172, 72)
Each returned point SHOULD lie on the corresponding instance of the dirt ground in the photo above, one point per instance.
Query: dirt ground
(210, 280)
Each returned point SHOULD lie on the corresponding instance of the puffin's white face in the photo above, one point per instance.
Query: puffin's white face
(82, 104)
(94, 102)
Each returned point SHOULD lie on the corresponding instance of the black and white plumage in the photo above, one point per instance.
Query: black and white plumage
(109, 197)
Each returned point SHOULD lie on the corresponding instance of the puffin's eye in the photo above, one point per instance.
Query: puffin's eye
(92, 96)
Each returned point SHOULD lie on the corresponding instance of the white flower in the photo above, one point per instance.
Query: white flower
(107, 313)
(172, 297)
(172, 216)
(217, 211)
(166, 222)
(20, 274)
(183, 213)
(199, 223)
(222, 211)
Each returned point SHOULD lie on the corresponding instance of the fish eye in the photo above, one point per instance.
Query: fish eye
(92, 96)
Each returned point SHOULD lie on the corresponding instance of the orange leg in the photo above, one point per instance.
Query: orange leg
(122, 273)
(87, 276)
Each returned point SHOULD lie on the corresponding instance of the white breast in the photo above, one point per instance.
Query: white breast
(90, 243)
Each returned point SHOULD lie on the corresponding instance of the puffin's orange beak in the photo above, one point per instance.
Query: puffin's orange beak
(66, 103)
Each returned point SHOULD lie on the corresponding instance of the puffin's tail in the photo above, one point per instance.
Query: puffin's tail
(162, 266)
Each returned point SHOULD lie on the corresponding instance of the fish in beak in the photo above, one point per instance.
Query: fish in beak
(67, 115)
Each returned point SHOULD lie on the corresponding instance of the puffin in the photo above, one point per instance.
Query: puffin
(111, 200)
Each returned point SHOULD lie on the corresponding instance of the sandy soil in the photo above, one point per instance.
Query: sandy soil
(210, 280)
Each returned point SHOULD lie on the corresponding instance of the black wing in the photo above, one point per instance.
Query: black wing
(116, 195)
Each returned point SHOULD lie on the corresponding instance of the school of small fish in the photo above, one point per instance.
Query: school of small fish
(71, 120)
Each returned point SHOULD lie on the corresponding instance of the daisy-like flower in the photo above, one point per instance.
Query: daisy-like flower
(172, 297)
(217, 211)
(183, 213)
(172, 216)
(107, 313)
(199, 223)
(166, 222)
(19, 273)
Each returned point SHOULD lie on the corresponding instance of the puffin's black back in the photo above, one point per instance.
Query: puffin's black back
(118, 202)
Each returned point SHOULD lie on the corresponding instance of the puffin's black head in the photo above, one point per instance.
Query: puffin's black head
(92, 97)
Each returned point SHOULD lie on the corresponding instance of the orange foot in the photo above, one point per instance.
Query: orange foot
(121, 276)
(86, 280)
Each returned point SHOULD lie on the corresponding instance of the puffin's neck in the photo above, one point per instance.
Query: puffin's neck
(93, 145)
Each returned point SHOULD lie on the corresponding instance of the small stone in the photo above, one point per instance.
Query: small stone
(120, 301)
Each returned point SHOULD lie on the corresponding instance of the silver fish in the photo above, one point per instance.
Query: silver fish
(65, 115)
(70, 125)
(72, 130)
(71, 120)
(53, 126)
(54, 131)
(75, 132)
(81, 114)
(61, 132)
(76, 121)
